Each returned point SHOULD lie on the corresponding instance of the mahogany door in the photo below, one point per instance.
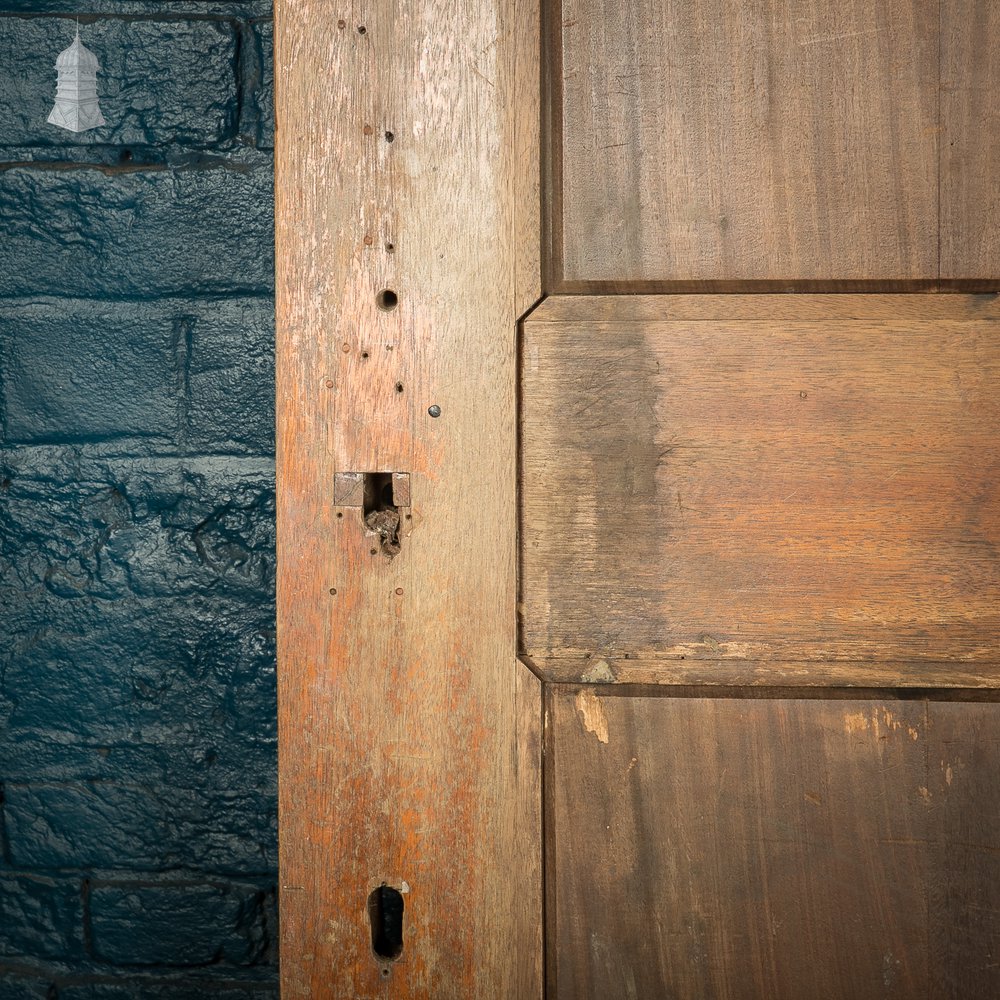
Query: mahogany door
(639, 393)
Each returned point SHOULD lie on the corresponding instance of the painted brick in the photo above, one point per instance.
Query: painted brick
(177, 925)
(137, 572)
(80, 370)
(168, 527)
(189, 692)
(196, 373)
(150, 828)
(148, 990)
(231, 378)
(138, 233)
(40, 917)
(187, 8)
(265, 91)
(160, 81)
(15, 985)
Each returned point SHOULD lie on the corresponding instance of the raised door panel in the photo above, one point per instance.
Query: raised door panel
(712, 495)
(777, 142)
(739, 849)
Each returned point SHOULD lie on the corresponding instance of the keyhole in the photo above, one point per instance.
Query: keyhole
(385, 911)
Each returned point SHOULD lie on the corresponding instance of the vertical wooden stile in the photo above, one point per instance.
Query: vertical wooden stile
(407, 161)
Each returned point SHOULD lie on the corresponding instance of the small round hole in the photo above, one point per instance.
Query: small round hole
(341, 24)
(390, 136)
(333, 591)
(362, 30)
(340, 513)
(390, 248)
(364, 354)
(374, 552)
(399, 387)
(387, 300)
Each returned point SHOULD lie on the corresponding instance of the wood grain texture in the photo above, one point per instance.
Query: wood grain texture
(970, 122)
(792, 490)
(409, 735)
(783, 849)
(760, 140)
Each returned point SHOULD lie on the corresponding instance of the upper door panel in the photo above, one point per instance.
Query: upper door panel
(773, 141)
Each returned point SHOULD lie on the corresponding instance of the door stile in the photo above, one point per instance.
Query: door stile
(407, 232)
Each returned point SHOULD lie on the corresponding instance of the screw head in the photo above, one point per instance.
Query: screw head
(434, 410)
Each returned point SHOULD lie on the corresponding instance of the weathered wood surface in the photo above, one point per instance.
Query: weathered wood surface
(970, 155)
(789, 490)
(782, 849)
(772, 142)
(409, 736)
(759, 140)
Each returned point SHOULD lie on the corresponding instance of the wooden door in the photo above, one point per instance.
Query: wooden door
(639, 392)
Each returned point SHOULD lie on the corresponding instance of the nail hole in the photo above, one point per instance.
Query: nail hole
(389, 136)
(364, 354)
(385, 911)
(399, 387)
(362, 29)
(340, 513)
(409, 517)
(387, 300)
(390, 248)
(341, 24)
(374, 552)
(333, 591)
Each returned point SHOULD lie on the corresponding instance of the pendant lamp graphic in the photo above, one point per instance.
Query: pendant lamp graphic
(76, 106)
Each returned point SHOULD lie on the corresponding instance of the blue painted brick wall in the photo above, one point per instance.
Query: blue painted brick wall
(137, 704)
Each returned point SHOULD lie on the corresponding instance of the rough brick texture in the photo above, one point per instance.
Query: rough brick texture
(137, 704)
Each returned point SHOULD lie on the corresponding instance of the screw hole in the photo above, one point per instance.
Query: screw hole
(399, 387)
(333, 591)
(387, 300)
(362, 29)
(340, 513)
(364, 354)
